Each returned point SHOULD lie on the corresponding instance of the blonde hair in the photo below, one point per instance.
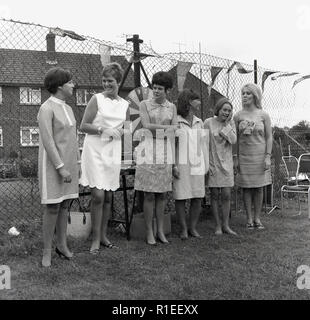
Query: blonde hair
(257, 93)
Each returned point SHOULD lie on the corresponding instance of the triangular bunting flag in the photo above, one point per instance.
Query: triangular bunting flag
(300, 79)
(266, 74)
(105, 54)
(241, 69)
(214, 73)
(231, 67)
(182, 70)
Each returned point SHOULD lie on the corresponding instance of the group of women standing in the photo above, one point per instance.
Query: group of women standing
(177, 152)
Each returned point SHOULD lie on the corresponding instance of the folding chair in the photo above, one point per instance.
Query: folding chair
(298, 183)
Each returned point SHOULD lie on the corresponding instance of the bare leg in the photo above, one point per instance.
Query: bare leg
(258, 203)
(226, 195)
(61, 229)
(180, 210)
(48, 228)
(97, 199)
(148, 207)
(160, 202)
(105, 217)
(194, 213)
(247, 198)
(215, 194)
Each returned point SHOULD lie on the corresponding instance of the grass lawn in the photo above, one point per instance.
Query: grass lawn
(257, 264)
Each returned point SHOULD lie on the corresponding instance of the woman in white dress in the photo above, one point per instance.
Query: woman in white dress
(58, 161)
(191, 162)
(103, 121)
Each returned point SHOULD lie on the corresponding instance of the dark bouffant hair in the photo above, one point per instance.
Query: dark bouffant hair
(164, 79)
(56, 77)
(183, 101)
(219, 105)
(115, 70)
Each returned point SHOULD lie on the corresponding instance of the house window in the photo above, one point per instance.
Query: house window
(80, 137)
(1, 138)
(29, 136)
(81, 97)
(30, 96)
(0, 95)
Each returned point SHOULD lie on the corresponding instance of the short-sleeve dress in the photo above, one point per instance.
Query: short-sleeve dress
(221, 173)
(58, 147)
(192, 160)
(154, 174)
(252, 149)
(101, 156)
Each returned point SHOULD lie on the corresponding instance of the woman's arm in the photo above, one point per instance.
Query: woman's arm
(229, 132)
(89, 116)
(268, 137)
(236, 162)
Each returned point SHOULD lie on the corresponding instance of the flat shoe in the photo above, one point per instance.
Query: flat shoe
(194, 236)
(151, 244)
(110, 245)
(250, 226)
(259, 225)
(94, 251)
(163, 242)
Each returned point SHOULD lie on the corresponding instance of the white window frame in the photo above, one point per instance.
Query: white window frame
(80, 133)
(33, 130)
(1, 95)
(1, 137)
(27, 96)
(84, 97)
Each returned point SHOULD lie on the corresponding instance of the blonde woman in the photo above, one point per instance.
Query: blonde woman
(254, 144)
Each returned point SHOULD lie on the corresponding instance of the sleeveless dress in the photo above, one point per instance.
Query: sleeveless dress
(155, 173)
(58, 147)
(252, 149)
(221, 172)
(101, 156)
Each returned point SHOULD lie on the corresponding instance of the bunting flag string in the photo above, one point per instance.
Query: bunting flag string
(63, 33)
(300, 79)
(287, 74)
(105, 54)
(182, 69)
(240, 68)
(266, 74)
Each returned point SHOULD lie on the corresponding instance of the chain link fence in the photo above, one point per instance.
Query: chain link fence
(28, 51)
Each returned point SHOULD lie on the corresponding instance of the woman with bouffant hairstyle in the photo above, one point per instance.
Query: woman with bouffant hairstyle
(253, 152)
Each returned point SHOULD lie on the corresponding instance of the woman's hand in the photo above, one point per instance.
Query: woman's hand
(79, 170)
(236, 165)
(228, 118)
(267, 162)
(65, 174)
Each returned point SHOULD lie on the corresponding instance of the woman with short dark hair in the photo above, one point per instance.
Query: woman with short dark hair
(58, 161)
(154, 172)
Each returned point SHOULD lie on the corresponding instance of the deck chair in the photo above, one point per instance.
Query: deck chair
(299, 182)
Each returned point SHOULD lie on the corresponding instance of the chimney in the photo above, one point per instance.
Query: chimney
(50, 48)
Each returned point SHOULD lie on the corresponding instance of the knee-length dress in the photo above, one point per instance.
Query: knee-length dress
(101, 156)
(58, 147)
(192, 160)
(252, 149)
(222, 137)
(155, 175)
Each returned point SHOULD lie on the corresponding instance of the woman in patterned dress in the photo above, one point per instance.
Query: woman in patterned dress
(103, 121)
(253, 152)
(220, 179)
(191, 162)
(155, 154)
(58, 161)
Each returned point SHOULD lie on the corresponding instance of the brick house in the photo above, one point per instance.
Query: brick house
(21, 92)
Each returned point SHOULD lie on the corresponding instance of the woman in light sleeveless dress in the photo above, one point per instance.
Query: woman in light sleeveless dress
(254, 144)
(103, 121)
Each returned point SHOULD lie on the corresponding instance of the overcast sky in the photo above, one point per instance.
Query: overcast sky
(275, 32)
